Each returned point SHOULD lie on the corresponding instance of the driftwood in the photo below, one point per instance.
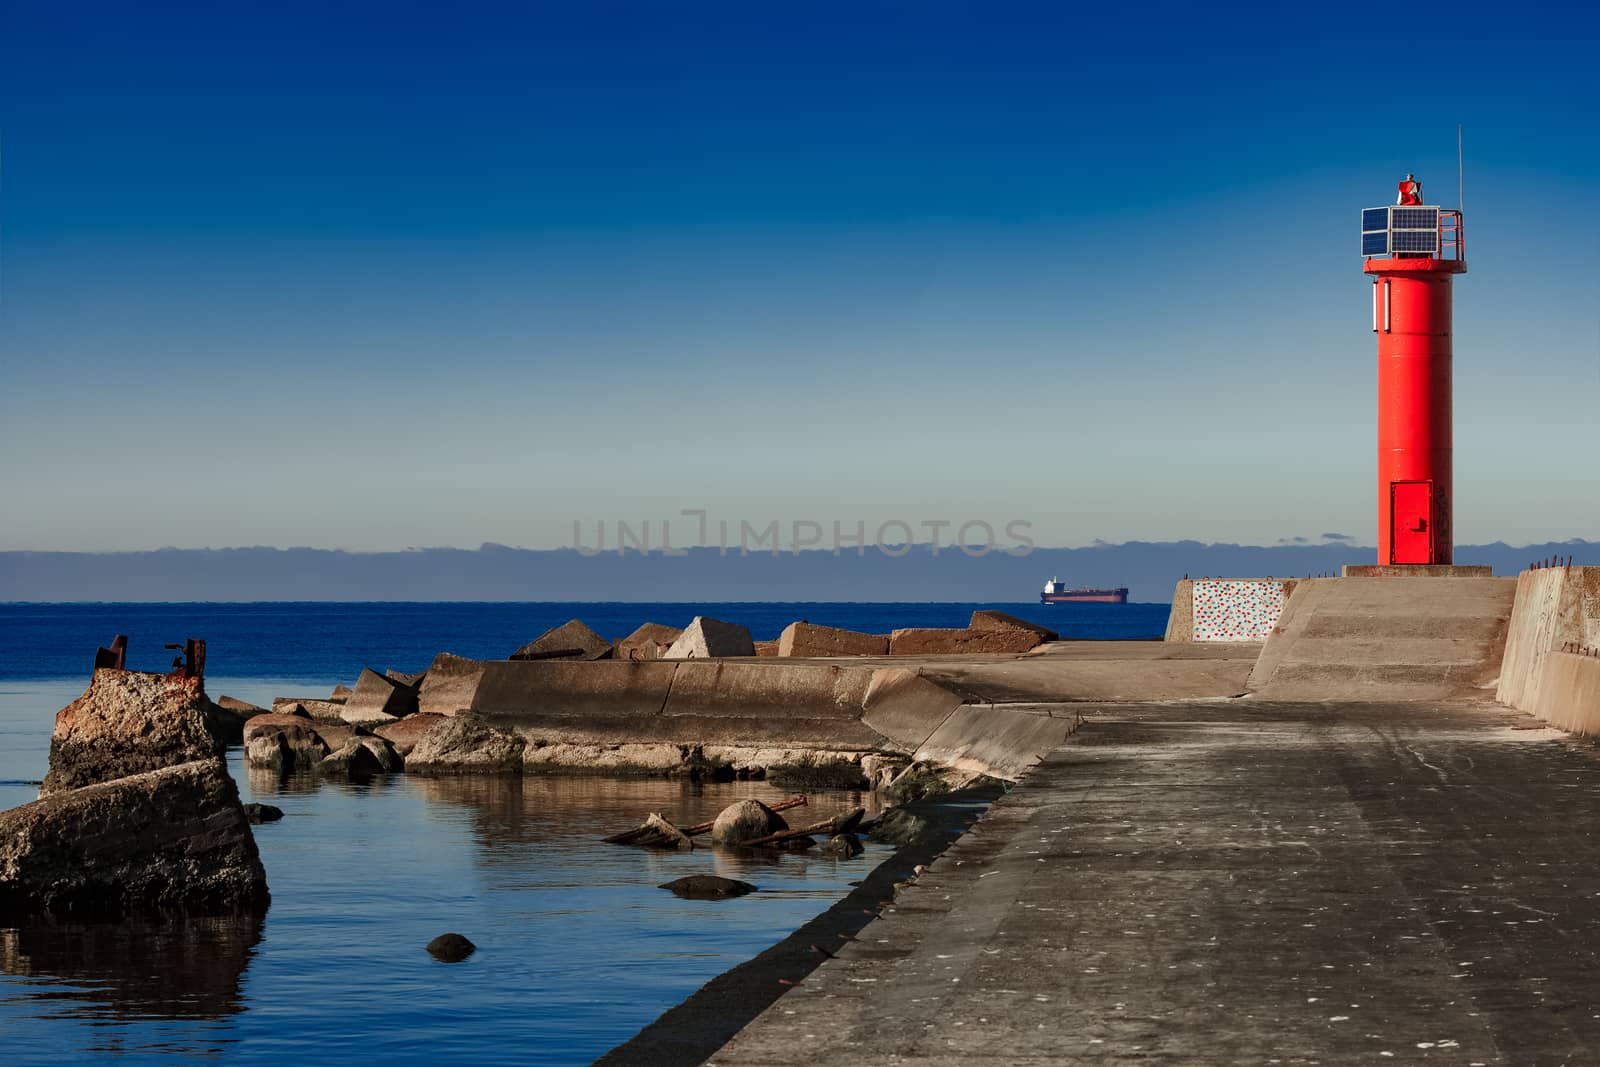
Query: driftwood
(657, 832)
(839, 824)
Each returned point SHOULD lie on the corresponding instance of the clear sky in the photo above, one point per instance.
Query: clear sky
(376, 276)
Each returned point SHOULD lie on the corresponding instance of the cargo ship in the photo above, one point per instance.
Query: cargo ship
(1056, 592)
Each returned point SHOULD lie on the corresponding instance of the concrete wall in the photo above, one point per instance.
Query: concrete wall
(1569, 692)
(750, 704)
(1555, 607)
(1227, 609)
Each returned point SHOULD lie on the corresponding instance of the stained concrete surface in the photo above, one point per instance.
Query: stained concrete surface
(1241, 882)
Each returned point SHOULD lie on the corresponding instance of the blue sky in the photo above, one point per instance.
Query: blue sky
(376, 276)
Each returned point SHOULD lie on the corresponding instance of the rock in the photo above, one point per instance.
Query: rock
(128, 722)
(228, 717)
(283, 742)
(900, 826)
(811, 773)
(999, 620)
(708, 887)
(844, 846)
(451, 948)
(362, 756)
(260, 813)
(745, 821)
(465, 744)
(378, 700)
(649, 641)
(626, 758)
(808, 639)
(175, 839)
(404, 733)
(289, 706)
(926, 641)
(881, 769)
(707, 638)
(572, 640)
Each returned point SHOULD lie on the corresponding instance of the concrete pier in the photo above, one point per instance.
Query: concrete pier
(1241, 882)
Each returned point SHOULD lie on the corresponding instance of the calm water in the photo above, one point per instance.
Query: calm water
(577, 948)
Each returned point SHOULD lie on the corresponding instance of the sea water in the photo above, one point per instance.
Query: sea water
(577, 946)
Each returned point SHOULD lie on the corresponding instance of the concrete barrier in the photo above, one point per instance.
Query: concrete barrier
(450, 685)
(1569, 692)
(1555, 607)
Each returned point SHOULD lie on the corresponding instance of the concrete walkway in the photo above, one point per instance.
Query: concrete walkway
(1239, 882)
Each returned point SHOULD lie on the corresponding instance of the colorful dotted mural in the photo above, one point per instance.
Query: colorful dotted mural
(1236, 610)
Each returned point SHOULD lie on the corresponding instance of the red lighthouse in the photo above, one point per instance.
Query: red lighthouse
(1413, 251)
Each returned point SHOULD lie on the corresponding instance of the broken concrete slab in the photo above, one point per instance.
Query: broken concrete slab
(999, 620)
(170, 840)
(571, 640)
(450, 685)
(128, 722)
(708, 638)
(649, 641)
(809, 639)
(926, 641)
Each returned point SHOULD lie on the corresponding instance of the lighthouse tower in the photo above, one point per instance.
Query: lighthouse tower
(1413, 252)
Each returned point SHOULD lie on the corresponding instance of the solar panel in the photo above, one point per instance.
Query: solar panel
(1393, 230)
(1414, 241)
(1374, 218)
(1375, 244)
(1414, 218)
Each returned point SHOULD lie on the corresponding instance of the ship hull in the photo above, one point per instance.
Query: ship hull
(1086, 596)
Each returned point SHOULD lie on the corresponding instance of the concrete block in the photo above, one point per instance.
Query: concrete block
(707, 638)
(1416, 570)
(572, 640)
(764, 690)
(378, 699)
(614, 689)
(1180, 620)
(808, 639)
(649, 641)
(999, 620)
(451, 685)
(936, 642)
(767, 648)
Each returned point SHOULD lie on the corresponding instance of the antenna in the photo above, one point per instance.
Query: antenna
(1461, 176)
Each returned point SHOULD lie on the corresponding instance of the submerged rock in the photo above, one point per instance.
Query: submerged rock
(128, 722)
(465, 744)
(451, 948)
(708, 887)
(260, 813)
(283, 742)
(745, 821)
(362, 756)
(844, 846)
(175, 839)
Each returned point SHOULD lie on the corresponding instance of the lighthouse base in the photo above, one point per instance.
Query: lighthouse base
(1416, 570)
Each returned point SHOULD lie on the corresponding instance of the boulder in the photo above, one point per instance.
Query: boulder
(808, 639)
(649, 641)
(283, 742)
(378, 699)
(362, 756)
(707, 638)
(573, 640)
(708, 887)
(128, 722)
(999, 620)
(169, 840)
(745, 821)
(465, 744)
(932, 642)
(404, 733)
(451, 948)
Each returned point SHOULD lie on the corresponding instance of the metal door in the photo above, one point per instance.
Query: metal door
(1411, 512)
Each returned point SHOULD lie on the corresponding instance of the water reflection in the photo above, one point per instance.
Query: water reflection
(182, 969)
